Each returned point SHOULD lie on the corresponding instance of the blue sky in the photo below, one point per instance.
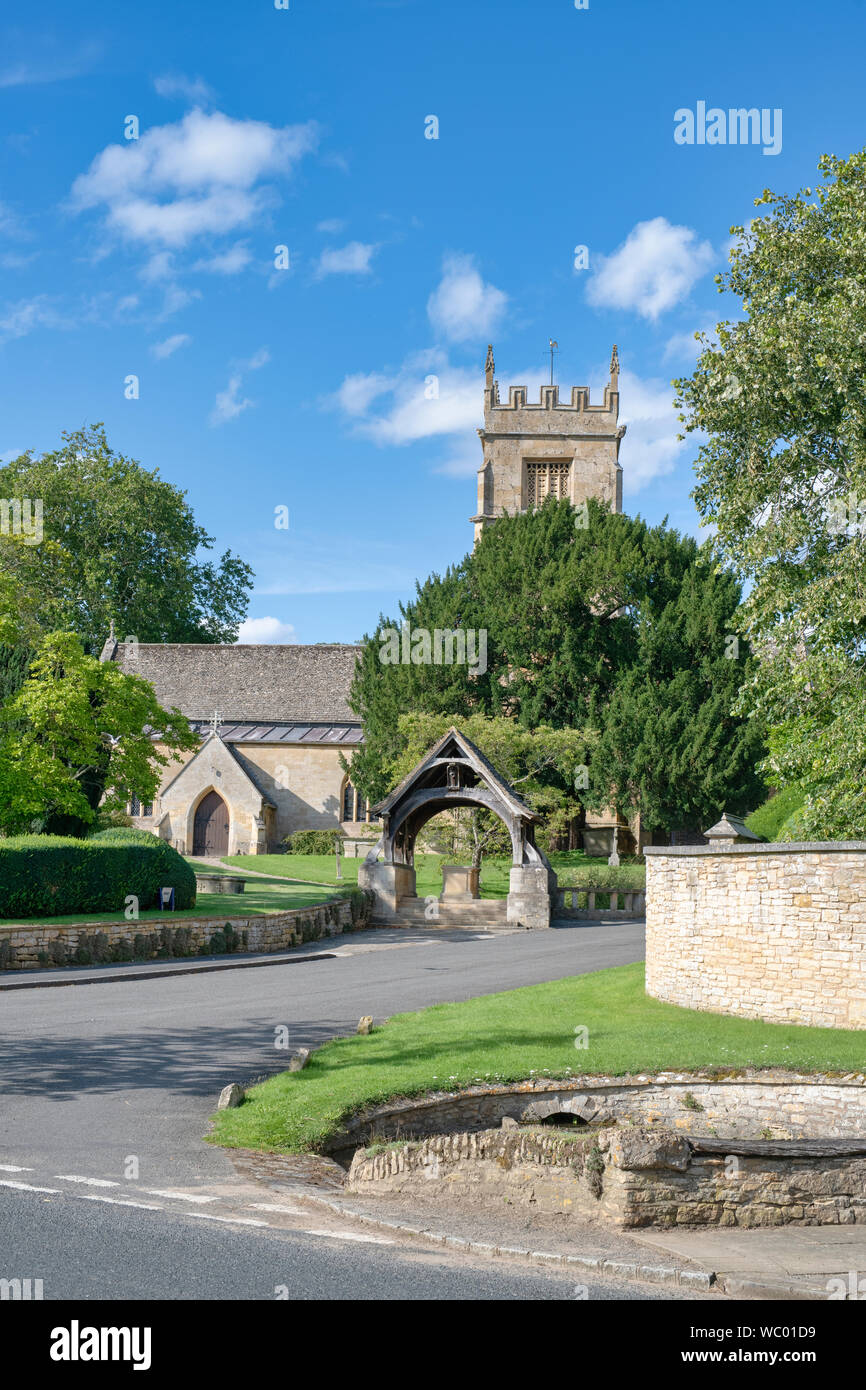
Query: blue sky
(304, 128)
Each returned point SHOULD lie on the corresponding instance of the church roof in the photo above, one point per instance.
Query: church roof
(231, 732)
(262, 685)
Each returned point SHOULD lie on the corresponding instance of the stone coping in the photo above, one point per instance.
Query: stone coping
(241, 918)
(762, 847)
(404, 1106)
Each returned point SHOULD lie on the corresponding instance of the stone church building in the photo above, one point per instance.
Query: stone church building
(274, 720)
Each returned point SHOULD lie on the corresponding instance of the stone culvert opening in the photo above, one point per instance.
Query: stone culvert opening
(746, 1149)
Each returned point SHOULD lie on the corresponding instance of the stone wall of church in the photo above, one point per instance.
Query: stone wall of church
(222, 773)
(304, 782)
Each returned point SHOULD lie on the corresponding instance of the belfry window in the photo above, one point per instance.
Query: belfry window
(545, 480)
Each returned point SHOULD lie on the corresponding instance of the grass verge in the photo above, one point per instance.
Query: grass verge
(260, 896)
(511, 1036)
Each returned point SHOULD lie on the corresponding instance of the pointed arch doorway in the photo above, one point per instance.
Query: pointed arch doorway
(210, 835)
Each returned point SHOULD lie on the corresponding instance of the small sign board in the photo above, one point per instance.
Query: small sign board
(166, 899)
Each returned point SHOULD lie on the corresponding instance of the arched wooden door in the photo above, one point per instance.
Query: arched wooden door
(211, 831)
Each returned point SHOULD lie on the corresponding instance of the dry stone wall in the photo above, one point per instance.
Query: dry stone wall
(32, 947)
(628, 1177)
(768, 931)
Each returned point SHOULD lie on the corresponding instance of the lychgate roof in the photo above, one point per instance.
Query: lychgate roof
(431, 771)
(259, 685)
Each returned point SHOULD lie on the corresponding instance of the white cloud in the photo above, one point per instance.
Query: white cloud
(653, 270)
(51, 67)
(684, 346)
(426, 397)
(230, 403)
(22, 318)
(258, 630)
(462, 305)
(228, 262)
(357, 392)
(332, 226)
(175, 299)
(257, 360)
(199, 175)
(170, 345)
(353, 259)
(650, 448)
(159, 266)
(175, 85)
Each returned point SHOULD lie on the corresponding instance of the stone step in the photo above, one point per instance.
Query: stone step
(480, 911)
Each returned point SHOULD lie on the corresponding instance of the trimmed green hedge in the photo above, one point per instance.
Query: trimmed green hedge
(52, 876)
(313, 841)
(769, 819)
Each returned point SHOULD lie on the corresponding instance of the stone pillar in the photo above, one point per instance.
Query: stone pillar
(390, 883)
(528, 903)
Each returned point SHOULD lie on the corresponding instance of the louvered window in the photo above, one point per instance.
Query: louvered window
(545, 480)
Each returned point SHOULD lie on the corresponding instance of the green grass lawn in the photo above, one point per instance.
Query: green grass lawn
(505, 1037)
(260, 896)
(573, 868)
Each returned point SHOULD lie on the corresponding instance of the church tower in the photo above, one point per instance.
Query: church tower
(550, 449)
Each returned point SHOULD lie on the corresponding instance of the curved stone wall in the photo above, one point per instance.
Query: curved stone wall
(769, 931)
(746, 1105)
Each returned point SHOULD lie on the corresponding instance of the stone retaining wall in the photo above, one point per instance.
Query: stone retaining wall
(628, 1177)
(747, 1105)
(769, 931)
(22, 946)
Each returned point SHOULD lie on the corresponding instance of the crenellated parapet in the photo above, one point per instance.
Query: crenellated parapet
(534, 449)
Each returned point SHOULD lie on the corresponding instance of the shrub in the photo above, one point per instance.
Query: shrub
(622, 878)
(224, 942)
(313, 841)
(52, 876)
(768, 820)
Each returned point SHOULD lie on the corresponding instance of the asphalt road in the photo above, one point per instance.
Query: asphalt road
(102, 1080)
(109, 1252)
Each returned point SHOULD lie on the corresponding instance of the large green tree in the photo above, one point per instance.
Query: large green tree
(778, 393)
(612, 627)
(119, 544)
(80, 729)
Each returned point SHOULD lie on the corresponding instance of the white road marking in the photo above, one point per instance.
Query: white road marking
(118, 1202)
(270, 1206)
(227, 1220)
(349, 1235)
(90, 1182)
(13, 1168)
(179, 1196)
(26, 1186)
